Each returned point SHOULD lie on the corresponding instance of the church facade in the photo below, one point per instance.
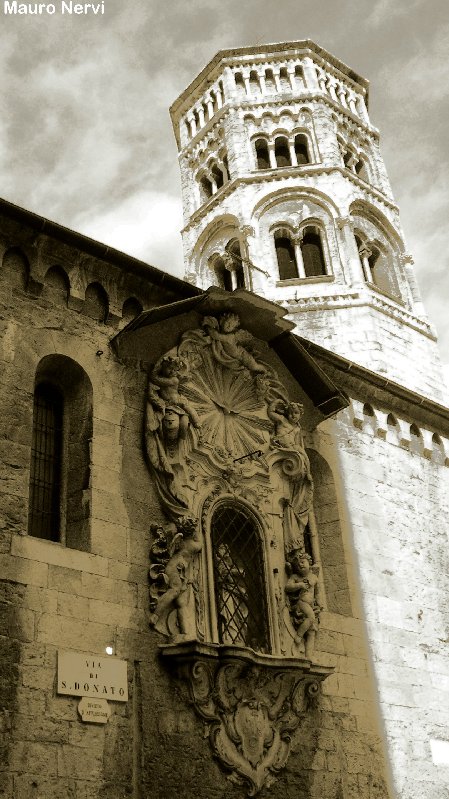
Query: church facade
(223, 549)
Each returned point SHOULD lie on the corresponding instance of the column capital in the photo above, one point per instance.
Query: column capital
(345, 221)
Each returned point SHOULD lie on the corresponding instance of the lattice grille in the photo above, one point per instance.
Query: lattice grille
(46, 461)
(239, 582)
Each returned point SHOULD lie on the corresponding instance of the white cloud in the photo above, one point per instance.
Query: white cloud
(145, 225)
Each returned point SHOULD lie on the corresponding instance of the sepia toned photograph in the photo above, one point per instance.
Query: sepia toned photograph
(224, 404)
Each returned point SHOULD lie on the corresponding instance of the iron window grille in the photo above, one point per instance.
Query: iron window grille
(46, 463)
(240, 591)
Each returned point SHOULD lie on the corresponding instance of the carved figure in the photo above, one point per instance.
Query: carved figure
(166, 379)
(230, 343)
(177, 577)
(302, 588)
(168, 418)
(295, 465)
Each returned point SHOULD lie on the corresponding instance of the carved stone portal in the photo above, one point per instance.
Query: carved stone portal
(250, 703)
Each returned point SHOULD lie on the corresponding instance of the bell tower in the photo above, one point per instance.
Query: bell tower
(285, 193)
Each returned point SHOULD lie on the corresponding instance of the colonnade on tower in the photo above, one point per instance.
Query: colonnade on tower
(285, 193)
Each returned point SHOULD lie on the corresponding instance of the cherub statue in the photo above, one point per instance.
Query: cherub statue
(287, 423)
(302, 588)
(169, 418)
(288, 438)
(183, 547)
(230, 342)
(166, 379)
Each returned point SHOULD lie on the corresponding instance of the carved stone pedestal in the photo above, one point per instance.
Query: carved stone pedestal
(251, 704)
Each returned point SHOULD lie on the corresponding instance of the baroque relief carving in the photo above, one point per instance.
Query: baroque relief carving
(219, 423)
(251, 705)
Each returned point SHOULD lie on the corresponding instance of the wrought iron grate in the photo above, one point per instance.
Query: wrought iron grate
(46, 462)
(239, 579)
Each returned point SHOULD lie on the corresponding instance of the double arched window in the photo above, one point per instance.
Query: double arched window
(301, 256)
(377, 265)
(286, 150)
(60, 453)
(240, 591)
(228, 267)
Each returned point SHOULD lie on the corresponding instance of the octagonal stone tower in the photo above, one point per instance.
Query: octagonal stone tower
(285, 192)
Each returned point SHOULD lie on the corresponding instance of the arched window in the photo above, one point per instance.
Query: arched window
(217, 174)
(285, 253)
(46, 463)
(302, 149)
(240, 83)
(312, 253)
(254, 81)
(362, 169)
(59, 506)
(263, 158)
(205, 189)
(299, 73)
(282, 152)
(283, 80)
(239, 582)
(269, 80)
(223, 274)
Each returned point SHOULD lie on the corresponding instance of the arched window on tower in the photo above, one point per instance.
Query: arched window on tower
(222, 274)
(233, 249)
(262, 154)
(60, 453)
(239, 578)
(269, 80)
(361, 170)
(312, 252)
(302, 149)
(285, 253)
(283, 80)
(217, 175)
(282, 151)
(254, 82)
(240, 84)
(205, 189)
(299, 74)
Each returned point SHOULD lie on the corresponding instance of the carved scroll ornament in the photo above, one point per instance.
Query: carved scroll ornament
(250, 704)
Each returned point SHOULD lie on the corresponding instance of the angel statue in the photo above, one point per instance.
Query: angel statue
(287, 437)
(230, 343)
(169, 417)
(176, 576)
(303, 591)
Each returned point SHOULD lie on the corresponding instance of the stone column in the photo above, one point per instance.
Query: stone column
(350, 253)
(271, 155)
(297, 241)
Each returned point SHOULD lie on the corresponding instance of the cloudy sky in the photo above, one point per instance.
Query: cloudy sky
(85, 134)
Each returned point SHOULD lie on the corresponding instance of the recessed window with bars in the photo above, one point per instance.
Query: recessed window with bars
(240, 591)
(46, 463)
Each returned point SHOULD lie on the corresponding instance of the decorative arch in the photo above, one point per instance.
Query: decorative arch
(56, 285)
(96, 302)
(15, 268)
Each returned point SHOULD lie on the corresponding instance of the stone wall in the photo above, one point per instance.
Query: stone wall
(392, 490)
(58, 598)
